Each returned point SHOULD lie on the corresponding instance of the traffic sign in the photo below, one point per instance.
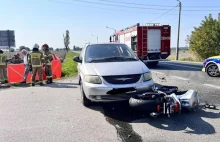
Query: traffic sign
(7, 38)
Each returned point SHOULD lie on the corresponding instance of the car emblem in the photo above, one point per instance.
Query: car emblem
(122, 79)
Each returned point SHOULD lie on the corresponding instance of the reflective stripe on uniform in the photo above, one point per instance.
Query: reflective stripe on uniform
(36, 65)
(36, 57)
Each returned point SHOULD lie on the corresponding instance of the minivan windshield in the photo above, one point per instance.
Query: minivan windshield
(109, 53)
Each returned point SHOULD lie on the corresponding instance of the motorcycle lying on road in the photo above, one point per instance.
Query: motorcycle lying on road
(165, 100)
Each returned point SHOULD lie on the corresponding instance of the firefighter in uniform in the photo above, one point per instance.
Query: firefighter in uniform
(3, 67)
(16, 59)
(48, 58)
(35, 61)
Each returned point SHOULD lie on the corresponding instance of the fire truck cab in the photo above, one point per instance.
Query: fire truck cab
(151, 42)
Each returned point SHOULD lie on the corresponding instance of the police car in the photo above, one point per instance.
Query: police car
(212, 66)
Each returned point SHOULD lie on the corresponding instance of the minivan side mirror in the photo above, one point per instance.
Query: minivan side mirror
(77, 59)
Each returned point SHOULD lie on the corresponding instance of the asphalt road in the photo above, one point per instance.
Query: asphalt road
(54, 113)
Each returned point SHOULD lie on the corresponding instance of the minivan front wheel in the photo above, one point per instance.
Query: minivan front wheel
(85, 101)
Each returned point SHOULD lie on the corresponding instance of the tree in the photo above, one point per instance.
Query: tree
(51, 48)
(22, 47)
(66, 40)
(74, 48)
(57, 49)
(12, 50)
(28, 49)
(205, 39)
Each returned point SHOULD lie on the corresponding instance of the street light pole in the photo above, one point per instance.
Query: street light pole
(111, 28)
(113, 34)
(178, 36)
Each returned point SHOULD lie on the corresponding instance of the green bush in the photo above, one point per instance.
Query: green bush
(69, 67)
(205, 39)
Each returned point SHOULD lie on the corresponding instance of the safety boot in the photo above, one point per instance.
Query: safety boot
(32, 84)
(23, 82)
(48, 81)
(51, 80)
(41, 84)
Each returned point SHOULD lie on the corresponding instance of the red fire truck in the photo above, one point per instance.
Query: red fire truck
(151, 42)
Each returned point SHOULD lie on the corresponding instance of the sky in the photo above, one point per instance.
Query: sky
(45, 21)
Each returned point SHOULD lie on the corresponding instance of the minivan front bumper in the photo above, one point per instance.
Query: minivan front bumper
(107, 93)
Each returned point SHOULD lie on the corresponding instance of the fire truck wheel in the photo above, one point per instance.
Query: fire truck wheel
(153, 63)
(140, 104)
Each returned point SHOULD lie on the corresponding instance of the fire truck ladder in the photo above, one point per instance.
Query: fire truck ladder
(144, 38)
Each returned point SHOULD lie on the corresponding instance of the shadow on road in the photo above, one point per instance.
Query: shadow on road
(189, 122)
(120, 115)
(61, 85)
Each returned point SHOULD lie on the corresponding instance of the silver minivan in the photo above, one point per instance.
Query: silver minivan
(111, 72)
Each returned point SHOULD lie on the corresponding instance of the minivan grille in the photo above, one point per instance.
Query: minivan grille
(122, 79)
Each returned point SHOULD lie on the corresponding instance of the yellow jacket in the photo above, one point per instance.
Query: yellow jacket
(48, 57)
(36, 59)
(3, 59)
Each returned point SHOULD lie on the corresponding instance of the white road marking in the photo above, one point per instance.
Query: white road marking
(157, 72)
(180, 78)
(210, 85)
(181, 66)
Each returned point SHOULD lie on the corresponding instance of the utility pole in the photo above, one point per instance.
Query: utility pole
(178, 36)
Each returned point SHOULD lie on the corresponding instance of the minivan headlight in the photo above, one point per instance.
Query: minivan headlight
(147, 76)
(93, 79)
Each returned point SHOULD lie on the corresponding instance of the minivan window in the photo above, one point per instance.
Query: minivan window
(109, 53)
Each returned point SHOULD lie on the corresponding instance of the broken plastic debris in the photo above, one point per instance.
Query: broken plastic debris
(210, 106)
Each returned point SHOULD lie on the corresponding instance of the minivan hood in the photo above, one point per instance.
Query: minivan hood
(116, 68)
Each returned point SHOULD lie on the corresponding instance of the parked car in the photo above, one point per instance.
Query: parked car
(212, 66)
(111, 72)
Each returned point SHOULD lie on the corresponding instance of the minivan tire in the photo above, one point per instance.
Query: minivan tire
(85, 101)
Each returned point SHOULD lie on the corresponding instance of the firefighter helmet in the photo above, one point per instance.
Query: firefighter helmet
(36, 46)
(45, 46)
(17, 54)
